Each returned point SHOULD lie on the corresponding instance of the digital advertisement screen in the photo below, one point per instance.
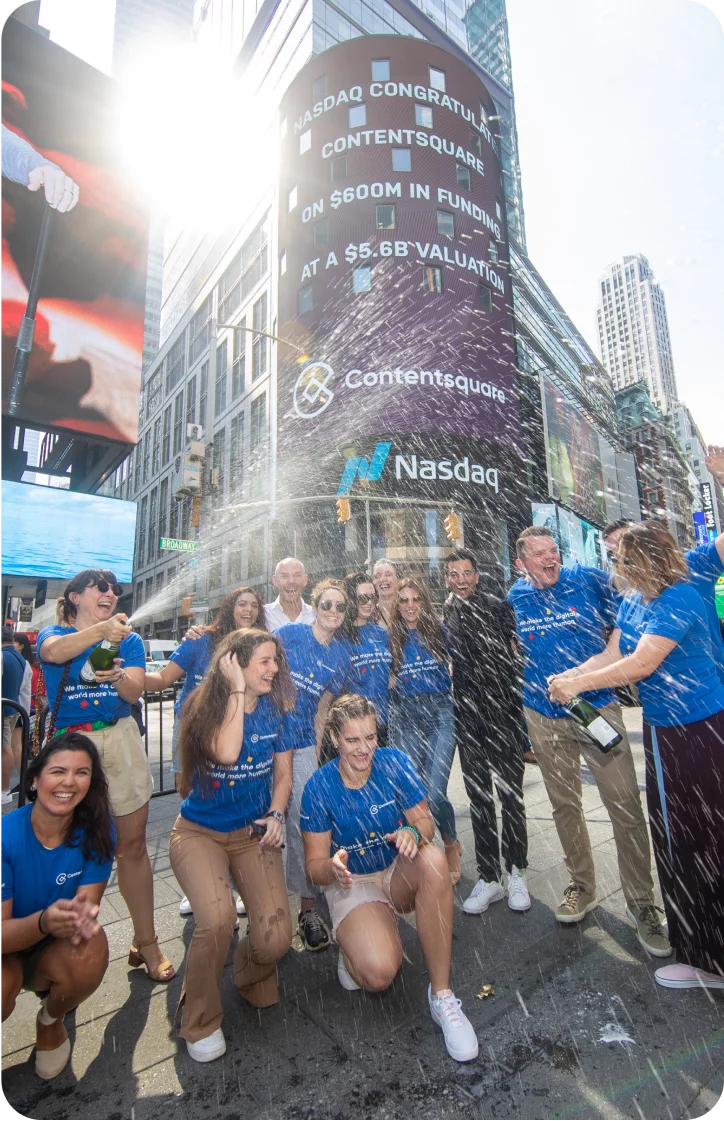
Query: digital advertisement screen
(84, 372)
(51, 534)
(575, 471)
(578, 541)
(394, 284)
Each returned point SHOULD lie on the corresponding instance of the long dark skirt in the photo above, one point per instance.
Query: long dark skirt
(685, 793)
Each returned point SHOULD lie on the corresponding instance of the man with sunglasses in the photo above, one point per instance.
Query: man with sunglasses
(489, 728)
(290, 579)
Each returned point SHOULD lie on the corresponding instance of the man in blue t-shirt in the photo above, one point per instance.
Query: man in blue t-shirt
(562, 615)
(13, 670)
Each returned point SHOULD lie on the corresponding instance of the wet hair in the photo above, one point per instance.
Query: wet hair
(462, 555)
(385, 560)
(350, 706)
(225, 623)
(91, 825)
(327, 585)
(205, 710)
(27, 650)
(648, 560)
(66, 609)
(622, 523)
(351, 583)
(531, 531)
(428, 626)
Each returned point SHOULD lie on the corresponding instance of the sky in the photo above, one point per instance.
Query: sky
(620, 110)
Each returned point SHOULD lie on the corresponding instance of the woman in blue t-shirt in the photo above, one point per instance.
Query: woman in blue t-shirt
(99, 705)
(367, 831)
(421, 712)
(368, 646)
(236, 761)
(662, 641)
(57, 854)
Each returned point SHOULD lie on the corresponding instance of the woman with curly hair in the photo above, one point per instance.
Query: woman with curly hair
(236, 777)
(422, 709)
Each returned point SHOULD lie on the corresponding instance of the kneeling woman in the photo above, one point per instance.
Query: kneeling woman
(236, 760)
(366, 829)
(57, 854)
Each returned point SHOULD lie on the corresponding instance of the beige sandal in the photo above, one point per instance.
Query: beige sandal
(454, 857)
(136, 959)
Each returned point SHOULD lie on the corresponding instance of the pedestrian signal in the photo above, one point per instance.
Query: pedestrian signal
(343, 510)
(452, 527)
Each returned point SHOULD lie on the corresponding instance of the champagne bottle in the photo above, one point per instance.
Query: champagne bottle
(596, 726)
(100, 658)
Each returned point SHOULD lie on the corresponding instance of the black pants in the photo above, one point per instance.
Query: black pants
(488, 742)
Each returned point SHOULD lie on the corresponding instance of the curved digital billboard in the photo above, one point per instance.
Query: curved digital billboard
(393, 261)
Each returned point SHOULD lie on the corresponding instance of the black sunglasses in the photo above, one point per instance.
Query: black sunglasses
(329, 605)
(103, 586)
(364, 597)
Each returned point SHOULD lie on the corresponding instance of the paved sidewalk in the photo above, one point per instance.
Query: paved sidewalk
(326, 1053)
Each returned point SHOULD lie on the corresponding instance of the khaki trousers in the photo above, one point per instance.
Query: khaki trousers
(202, 860)
(558, 746)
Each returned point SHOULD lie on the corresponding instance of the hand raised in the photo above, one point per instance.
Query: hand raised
(229, 666)
(341, 871)
(116, 628)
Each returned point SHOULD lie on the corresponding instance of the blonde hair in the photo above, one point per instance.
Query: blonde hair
(648, 560)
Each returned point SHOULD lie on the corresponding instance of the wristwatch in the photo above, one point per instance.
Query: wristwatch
(280, 817)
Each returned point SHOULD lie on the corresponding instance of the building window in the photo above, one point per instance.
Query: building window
(244, 272)
(222, 369)
(292, 199)
(445, 223)
(238, 369)
(401, 159)
(200, 331)
(156, 455)
(380, 69)
(357, 116)
(162, 507)
(152, 519)
(257, 430)
(463, 176)
(485, 297)
(432, 279)
(475, 143)
(146, 456)
(321, 232)
(305, 141)
(305, 299)
(142, 530)
(362, 280)
(166, 438)
(498, 211)
(493, 252)
(339, 169)
(173, 517)
(236, 451)
(385, 216)
(233, 565)
(176, 363)
(423, 116)
(203, 383)
(149, 588)
(178, 423)
(319, 88)
(437, 79)
(282, 262)
(190, 402)
(259, 342)
(154, 388)
(218, 465)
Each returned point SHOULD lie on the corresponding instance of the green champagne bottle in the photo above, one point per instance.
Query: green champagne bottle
(597, 727)
(100, 658)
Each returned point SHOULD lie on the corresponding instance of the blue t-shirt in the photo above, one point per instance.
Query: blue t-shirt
(369, 674)
(359, 819)
(686, 686)
(705, 568)
(315, 668)
(420, 671)
(81, 703)
(193, 656)
(559, 628)
(240, 793)
(33, 876)
(13, 670)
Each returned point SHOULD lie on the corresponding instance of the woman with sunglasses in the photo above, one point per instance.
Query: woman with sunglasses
(319, 665)
(57, 855)
(368, 646)
(99, 705)
(421, 721)
(386, 579)
(367, 832)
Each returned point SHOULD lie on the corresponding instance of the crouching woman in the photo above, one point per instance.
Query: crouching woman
(57, 854)
(236, 774)
(367, 830)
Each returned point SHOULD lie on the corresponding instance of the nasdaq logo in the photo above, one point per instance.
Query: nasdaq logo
(359, 467)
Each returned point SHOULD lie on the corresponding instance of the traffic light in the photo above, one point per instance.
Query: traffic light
(452, 527)
(343, 510)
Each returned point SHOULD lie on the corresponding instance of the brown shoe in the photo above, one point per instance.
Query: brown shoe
(454, 857)
(575, 904)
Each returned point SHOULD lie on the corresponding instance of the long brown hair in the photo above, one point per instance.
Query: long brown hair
(225, 623)
(648, 560)
(350, 706)
(205, 710)
(428, 626)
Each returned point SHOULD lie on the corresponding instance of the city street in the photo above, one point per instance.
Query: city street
(576, 1027)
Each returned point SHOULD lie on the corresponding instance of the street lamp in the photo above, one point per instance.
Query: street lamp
(264, 334)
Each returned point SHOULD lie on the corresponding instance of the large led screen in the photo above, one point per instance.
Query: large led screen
(394, 286)
(51, 534)
(84, 372)
(575, 472)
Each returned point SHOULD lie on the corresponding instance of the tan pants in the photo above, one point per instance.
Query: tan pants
(558, 746)
(202, 860)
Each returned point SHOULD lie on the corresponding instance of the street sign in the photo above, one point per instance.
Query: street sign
(178, 544)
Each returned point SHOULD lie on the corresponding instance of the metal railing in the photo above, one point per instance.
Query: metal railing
(25, 752)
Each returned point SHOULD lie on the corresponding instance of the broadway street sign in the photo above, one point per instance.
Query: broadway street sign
(178, 544)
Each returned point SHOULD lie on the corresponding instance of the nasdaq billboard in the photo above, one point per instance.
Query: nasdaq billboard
(394, 289)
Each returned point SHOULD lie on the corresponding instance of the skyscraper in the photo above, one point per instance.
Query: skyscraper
(633, 330)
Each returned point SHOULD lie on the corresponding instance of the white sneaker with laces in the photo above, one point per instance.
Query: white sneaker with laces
(184, 907)
(206, 1050)
(482, 895)
(346, 979)
(460, 1038)
(518, 896)
(240, 908)
(7, 798)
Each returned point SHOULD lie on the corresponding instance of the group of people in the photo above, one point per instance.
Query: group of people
(330, 727)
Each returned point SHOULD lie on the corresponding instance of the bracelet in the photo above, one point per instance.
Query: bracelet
(415, 832)
(277, 815)
(235, 691)
(40, 921)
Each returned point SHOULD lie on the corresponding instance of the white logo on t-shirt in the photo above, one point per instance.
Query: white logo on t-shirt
(63, 876)
(375, 809)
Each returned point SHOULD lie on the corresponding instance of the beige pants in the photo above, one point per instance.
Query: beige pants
(202, 860)
(558, 746)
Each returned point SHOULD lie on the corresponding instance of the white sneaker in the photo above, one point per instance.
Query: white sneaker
(482, 896)
(346, 979)
(460, 1038)
(7, 798)
(240, 908)
(206, 1050)
(184, 907)
(518, 897)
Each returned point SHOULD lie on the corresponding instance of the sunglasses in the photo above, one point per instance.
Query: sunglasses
(329, 605)
(366, 598)
(414, 599)
(103, 586)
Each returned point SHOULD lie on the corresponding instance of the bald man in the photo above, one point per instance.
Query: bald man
(290, 579)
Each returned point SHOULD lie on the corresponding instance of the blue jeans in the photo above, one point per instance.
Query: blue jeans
(422, 727)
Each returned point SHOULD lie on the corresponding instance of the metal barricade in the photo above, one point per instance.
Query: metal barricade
(25, 752)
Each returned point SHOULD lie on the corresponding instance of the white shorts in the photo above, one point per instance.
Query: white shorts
(371, 887)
